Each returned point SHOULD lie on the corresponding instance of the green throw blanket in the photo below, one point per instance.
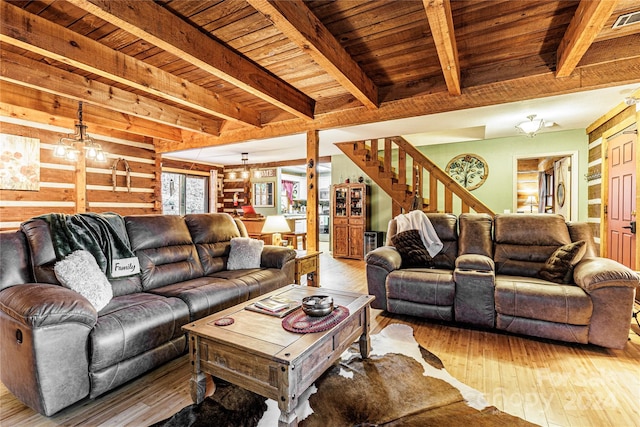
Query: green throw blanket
(103, 235)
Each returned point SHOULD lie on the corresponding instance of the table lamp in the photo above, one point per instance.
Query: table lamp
(531, 202)
(274, 225)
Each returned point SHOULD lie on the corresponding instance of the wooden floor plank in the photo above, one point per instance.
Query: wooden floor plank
(546, 382)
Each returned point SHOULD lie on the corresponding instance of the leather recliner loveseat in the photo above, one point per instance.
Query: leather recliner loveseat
(487, 275)
(56, 349)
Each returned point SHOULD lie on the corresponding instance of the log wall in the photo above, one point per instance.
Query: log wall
(77, 187)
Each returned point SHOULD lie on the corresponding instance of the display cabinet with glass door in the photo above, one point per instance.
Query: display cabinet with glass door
(350, 219)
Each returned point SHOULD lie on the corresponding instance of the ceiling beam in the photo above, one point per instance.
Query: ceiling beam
(294, 19)
(159, 26)
(20, 70)
(442, 31)
(41, 107)
(586, 24)
(492, 93)
(35, 34)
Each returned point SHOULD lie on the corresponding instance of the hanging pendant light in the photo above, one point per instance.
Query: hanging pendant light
(245, 169)
(69, 147)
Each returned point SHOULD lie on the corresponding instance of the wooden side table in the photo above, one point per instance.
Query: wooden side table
(308, 262)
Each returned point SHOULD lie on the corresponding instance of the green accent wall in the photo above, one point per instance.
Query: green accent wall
(500, 154)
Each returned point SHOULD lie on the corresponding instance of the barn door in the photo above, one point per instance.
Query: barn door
(621, 205)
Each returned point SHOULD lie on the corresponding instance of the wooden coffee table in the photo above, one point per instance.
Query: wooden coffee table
(258, 354)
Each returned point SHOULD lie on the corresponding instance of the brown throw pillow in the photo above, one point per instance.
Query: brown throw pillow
(412, 250)
(559, 266)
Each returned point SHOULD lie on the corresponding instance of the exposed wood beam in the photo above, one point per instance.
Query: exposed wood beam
(588, 21)
(44, 37)
(492, 93)
(157, 25)
(294, 19)
(41, 107)
(27, 72)
(442, 31)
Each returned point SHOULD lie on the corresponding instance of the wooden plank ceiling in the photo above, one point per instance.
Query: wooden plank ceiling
(197, 73)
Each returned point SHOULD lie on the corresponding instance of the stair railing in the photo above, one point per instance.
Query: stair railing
(401, 170)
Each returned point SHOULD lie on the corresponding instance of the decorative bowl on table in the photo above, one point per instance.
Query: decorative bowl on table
(317, 305)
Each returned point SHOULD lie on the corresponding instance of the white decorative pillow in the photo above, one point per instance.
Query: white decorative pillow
(245, 252)
(80, 272)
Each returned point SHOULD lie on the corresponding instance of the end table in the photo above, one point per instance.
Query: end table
(308, 262)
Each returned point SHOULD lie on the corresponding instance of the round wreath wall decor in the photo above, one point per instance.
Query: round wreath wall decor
(469, 170)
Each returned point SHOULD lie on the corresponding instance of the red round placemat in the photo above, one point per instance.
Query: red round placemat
(301, 323)
(224, 321)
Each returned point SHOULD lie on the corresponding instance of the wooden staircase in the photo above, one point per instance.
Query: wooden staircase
(401, 170)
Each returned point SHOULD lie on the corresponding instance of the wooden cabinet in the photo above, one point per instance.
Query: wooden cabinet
(350, 219)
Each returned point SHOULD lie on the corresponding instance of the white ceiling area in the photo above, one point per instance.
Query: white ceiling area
(571, 111)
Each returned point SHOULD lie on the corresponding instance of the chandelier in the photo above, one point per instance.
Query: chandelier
(69, 147)
(245, 169)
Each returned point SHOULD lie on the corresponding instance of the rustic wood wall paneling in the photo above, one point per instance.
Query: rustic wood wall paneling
(594, 186)
(233, 185)
(135, 199)
(64, 190)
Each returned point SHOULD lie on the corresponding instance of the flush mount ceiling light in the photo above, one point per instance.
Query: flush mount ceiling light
(530, 127)
(69, 147)
(631, 100)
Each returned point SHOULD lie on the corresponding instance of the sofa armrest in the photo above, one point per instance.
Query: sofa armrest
(44, 332)
(475, 262)
(38, 304)
(611, 287)
(380, 262)
(276, 256)
(386, 257)
(475, 287)
(596, 273)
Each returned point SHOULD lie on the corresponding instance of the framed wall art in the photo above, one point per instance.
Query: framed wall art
(19, 163)
(469, 170)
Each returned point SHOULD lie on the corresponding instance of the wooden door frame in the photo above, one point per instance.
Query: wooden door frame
(575, 190)
(627, 124)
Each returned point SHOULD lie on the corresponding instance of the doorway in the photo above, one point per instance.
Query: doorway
(547, 183)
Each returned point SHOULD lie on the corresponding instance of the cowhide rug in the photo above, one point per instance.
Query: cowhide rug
(400, 384)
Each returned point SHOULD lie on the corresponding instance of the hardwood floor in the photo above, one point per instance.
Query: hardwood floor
(545, 382)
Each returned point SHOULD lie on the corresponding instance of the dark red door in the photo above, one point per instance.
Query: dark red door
(622, 199)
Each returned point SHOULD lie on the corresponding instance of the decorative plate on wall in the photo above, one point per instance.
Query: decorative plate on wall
(469, 170)
(560, 194)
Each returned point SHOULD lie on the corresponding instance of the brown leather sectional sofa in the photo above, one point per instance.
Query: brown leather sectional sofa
(55, 349)
(487, 275)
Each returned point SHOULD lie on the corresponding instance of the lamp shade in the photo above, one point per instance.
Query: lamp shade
(531, 202)
(276, 224)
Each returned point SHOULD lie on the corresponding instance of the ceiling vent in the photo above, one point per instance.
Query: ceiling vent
(627, 19)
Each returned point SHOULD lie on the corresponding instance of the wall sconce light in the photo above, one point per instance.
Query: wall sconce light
(69, 147)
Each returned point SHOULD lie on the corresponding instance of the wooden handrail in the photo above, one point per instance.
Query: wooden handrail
(440, 175)
(404, 194)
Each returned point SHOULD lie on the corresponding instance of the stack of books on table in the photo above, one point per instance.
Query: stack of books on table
(274, 306)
